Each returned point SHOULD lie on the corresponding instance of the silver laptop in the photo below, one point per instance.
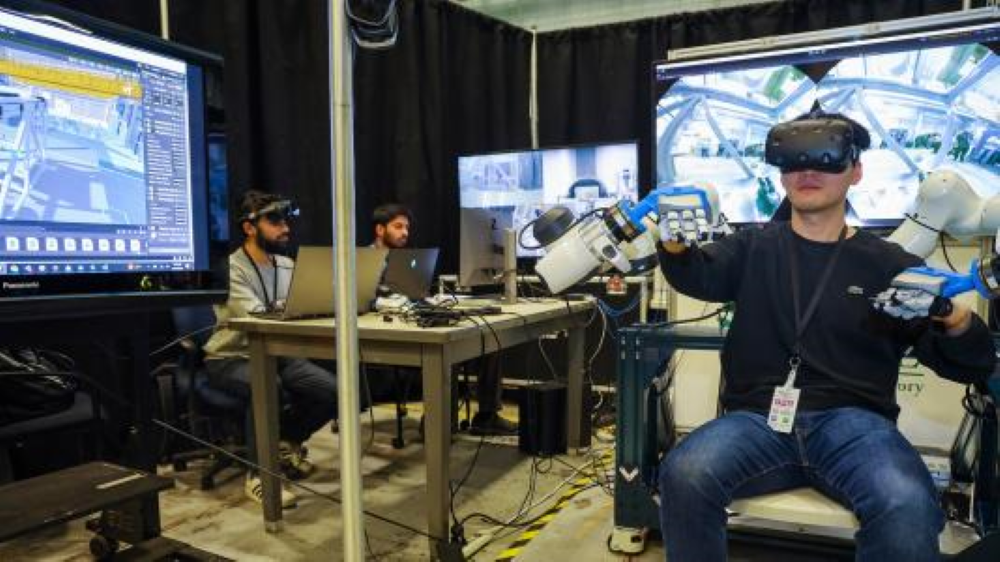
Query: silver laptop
(310, 293)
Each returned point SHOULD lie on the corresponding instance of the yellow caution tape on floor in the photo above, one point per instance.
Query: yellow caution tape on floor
(535, 528)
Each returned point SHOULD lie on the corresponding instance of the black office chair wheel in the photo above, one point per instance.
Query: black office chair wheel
(398, 443)
(180, 466)
(103, 547)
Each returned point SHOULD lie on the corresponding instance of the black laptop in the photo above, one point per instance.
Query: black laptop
(410, 272)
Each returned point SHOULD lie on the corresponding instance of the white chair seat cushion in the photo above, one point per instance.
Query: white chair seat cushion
(804, 506)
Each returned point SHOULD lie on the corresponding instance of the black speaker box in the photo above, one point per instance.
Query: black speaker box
(542, 419)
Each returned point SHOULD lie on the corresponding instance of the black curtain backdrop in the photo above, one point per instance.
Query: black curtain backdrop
(141, 15)
(595, 84)
(455, 83)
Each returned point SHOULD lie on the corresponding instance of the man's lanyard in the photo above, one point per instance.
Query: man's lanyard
(802, 320)
(785, 401)
(268, 303)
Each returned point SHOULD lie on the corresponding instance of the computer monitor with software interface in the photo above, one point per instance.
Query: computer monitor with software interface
(931, 100)
(104, 198)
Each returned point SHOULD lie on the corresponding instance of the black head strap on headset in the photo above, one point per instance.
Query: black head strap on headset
(274, 212)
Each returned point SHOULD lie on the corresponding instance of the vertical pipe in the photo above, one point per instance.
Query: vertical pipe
(510, 266)
(346, 306)
(533, 89)
(646, 279)
(165, 19)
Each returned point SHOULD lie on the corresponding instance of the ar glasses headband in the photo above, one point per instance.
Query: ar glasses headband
(282, 210)
(825, 145)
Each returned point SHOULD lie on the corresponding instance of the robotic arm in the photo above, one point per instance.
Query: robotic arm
(946, 203)
(575, 249)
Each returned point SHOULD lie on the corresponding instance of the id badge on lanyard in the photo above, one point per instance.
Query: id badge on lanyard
(785, 401)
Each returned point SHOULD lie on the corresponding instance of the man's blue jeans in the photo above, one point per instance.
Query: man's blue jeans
(855, 456)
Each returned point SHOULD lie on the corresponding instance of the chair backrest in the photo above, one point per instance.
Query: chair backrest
(194, 322)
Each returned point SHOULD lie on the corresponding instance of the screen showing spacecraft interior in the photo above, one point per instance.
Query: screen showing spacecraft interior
(928, 103)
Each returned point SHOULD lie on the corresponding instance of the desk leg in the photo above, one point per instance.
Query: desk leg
(264, 388)
(574, 392)
(436, 375)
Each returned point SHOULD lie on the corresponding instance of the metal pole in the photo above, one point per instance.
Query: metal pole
(346, 309)
(533, 90)
(165, 19)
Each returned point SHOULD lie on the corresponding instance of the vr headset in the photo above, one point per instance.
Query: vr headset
(274, 212)
(822, 144)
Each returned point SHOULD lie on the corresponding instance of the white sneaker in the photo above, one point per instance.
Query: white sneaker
(255, 491)
(293, 461)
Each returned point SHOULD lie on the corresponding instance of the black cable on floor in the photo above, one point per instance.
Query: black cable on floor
(281, 478)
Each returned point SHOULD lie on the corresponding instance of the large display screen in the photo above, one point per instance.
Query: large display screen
(525, 184)
(930, 100)
(103, 175)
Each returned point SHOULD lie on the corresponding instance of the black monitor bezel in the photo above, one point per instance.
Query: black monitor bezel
(52, 295)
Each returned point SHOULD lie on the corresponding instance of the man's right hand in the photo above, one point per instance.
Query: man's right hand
(682, 228)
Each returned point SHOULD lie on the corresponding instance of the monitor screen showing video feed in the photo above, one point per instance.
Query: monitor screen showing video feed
(930, 101)
(525, 184)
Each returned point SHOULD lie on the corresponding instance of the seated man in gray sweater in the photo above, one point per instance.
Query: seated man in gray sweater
(259, 277)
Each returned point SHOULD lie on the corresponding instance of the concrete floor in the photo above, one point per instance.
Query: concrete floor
(224, 522)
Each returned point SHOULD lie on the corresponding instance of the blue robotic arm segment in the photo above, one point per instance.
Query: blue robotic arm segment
(926, 291)
(939, 282)
(680, 196)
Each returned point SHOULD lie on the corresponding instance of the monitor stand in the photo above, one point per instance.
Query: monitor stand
(509, 266)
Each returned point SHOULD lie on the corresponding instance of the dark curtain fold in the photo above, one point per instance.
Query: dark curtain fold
(455, 83)
(142, 15)
(595, 84)
(275, 97)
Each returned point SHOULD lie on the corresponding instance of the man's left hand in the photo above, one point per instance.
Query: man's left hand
(908, 303)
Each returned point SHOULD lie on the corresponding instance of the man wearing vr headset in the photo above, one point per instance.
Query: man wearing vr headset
(810, 367)
(259, 278)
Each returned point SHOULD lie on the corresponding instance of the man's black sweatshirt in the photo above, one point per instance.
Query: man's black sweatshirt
(850, 353)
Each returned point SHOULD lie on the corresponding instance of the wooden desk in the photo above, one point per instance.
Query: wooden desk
(434, 351)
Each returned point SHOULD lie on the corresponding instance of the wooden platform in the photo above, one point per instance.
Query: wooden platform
(57, 497)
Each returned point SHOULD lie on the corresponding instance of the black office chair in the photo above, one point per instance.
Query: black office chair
(188, 400)
(82, 417)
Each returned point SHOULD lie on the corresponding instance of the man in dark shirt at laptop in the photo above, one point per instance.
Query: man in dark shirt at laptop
(392, 223)
(834, 350)
(259, 277)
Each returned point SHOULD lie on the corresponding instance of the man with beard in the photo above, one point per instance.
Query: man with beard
(392, 226)
(259, 277)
